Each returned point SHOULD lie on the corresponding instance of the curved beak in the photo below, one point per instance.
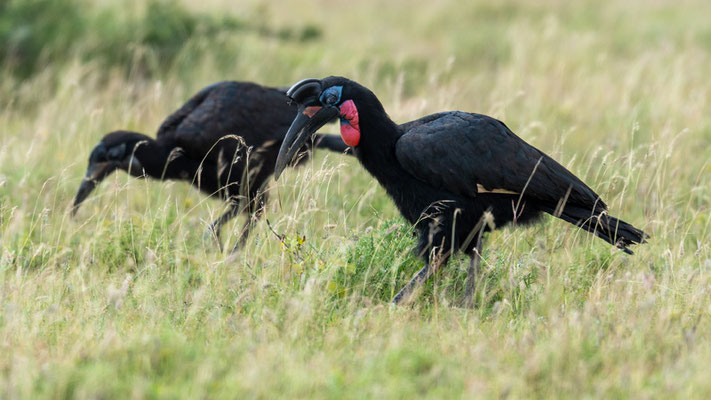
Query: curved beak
(310, 117)
(94, 175)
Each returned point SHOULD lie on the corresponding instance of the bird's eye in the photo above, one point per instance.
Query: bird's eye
(331, 96)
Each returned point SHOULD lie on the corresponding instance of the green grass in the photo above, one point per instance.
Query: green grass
(127, 300)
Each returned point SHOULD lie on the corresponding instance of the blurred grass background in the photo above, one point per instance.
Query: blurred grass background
(128, 301)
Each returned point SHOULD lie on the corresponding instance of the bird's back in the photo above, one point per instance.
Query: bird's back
(253, 112)
(460, 151)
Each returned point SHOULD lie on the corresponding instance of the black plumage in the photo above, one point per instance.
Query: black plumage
(454, 175)
(224, 141)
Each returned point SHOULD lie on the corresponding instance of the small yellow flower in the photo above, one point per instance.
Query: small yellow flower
(332, 286)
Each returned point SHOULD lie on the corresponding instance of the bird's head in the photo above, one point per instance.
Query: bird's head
(116, 150)
(320, 101)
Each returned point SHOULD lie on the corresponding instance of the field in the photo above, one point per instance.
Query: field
(127, 300)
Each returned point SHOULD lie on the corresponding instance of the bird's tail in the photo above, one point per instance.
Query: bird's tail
(331, 142)
(610, 229)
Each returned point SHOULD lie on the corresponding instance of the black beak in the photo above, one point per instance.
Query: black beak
(94, 175)
(310, 117)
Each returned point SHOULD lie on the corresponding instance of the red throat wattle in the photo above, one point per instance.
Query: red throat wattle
(350, 129)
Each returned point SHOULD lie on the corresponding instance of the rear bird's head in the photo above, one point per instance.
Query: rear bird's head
(117, 150)
(320, 101)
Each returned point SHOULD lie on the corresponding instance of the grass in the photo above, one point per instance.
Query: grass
(127, 300)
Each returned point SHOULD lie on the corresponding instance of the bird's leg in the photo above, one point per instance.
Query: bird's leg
(244, 234)
(421, 277)
(256, 211)
(214, 229)
(472, 272)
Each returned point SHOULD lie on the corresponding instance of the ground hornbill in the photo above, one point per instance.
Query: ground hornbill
(224, 140)
(454, 175)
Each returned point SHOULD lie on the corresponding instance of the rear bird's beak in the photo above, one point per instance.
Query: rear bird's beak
(310, 117)
(94, 175)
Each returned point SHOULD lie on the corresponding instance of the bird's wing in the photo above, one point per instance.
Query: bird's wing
(467, 154)
(174, 120)
(228, 110)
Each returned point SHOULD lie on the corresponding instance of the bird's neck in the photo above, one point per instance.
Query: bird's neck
(376, 151)
(378, 157)
(162, 160)
(172, 163)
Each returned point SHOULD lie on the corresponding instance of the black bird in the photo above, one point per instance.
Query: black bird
(224, 141)
(454, 175)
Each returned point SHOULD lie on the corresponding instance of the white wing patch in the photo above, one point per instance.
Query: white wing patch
(482, 189)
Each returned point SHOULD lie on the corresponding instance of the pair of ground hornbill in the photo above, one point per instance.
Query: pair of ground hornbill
(453, 175)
